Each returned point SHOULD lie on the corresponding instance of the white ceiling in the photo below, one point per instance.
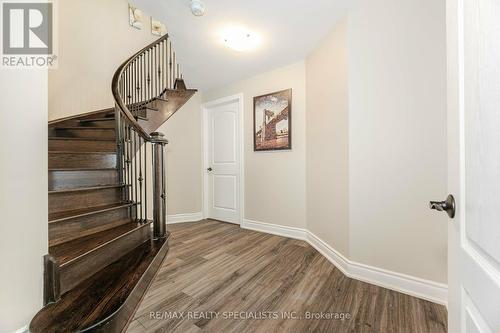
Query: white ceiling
(289, 29)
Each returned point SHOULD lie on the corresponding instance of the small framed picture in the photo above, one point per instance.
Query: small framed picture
(157, 28)
(135, 17)
(272, 116)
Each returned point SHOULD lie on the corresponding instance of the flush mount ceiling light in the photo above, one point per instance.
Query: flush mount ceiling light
(197, 7)
(240, 39)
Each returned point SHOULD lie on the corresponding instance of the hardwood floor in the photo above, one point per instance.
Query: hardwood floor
(220, 278)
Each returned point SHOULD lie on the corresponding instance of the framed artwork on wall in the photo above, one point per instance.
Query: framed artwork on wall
(157, 28)
(272, 121)
(135, 16)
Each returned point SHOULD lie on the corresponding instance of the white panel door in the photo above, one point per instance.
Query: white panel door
(223, 162)
(474, 164)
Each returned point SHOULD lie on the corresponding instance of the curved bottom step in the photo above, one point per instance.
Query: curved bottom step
(106, 301)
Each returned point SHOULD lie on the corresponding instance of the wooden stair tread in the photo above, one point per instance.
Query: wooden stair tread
(69, 251)
(81, 169)
(59, 216)
(106, 294)
(82, 189)
(82, 152)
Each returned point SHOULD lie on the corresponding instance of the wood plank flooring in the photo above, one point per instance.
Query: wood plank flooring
(220, 278)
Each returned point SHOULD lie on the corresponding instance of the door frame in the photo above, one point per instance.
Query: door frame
(204, 150)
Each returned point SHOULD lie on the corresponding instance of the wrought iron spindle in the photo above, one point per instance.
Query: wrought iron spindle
(130, 163)
(145, 182)
(140, 180)
(148, 79)
(150, 69)
(158, 70)
(136, 200)
(170, 67)
(124, 170)
(174, 77)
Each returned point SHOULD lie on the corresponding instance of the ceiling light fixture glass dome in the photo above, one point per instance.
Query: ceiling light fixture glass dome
(240, 39)
(197, 7)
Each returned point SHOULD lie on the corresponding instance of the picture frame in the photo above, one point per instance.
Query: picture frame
(135, 17)
(272, 121)
(157, 27)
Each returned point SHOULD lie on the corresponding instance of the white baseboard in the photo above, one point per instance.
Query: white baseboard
(23, 329)
(181, 218)
(410, 285)
(275, 229)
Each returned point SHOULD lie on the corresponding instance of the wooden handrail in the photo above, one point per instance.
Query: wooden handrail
(119, 100)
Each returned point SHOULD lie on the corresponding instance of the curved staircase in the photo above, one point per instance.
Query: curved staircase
(107, 232)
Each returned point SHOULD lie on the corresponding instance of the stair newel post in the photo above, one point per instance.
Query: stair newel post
(159, 188)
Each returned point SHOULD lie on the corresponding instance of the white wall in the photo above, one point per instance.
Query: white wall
(327, 157)
(275, 184)
(183, 157)
(23, 194)
(94, 39)
(397, 135)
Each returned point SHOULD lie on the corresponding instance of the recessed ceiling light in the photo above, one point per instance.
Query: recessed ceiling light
(240, 39)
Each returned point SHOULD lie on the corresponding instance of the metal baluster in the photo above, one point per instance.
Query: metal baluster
(140, 179)
(155, 71)
(130, 163)
(139, 80)
(163, 76)
(119, 148)
(170, 68)
(164, 70)
(149, 78)
(126, 162)
(151, 74)
(129, 83)
(136, 200)
(160, 69)
(175, 77)
(158, 56)
(132, 80)
(134, 85)
(124, 165)
(144, 78)
(136, 80)
(126, 100)
(145, 182)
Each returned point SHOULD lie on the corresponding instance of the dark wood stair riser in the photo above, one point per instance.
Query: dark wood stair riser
(69, 179)
(73, 228)
(82, 145)
(99, 122)
(85, 132)
(76, 271)
(82, 160)
(59, 202)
